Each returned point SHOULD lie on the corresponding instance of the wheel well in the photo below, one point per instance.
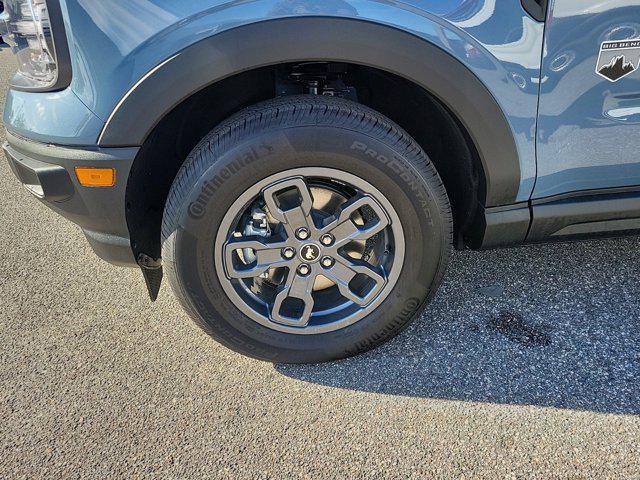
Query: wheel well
(426, 119)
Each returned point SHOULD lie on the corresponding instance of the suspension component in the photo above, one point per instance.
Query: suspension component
(258, 225)
(316, 78)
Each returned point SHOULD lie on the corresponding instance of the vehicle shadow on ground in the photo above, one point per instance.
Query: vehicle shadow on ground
(554, 326)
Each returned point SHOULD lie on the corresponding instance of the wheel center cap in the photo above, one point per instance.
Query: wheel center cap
(310, 252)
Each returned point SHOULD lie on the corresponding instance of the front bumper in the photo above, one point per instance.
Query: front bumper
(48, 172)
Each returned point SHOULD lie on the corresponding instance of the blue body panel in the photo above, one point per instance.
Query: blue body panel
(589, 127)
(58, 117)
(581, 118)
(114, 44)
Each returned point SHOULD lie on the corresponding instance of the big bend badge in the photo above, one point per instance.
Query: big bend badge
(618, 59)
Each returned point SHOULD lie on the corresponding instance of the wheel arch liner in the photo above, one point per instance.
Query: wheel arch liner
(325, 39)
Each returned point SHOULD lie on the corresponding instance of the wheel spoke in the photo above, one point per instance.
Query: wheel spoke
(267, 253)
(309, 250)
(296, 287)
(345, 230)
(291, 216)
(345, 270)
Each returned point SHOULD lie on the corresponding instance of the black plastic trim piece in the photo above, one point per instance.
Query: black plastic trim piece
(502, 227)
(152, 272)
(326, 39)
(594, 214)
(100, 212)
(570, 216)
(60, 50)
(587, 193)
(44, 180)
(111, 248)
(536, 8)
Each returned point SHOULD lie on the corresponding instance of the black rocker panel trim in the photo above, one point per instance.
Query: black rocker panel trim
(326, 39)
(579, 215)
(610, 212)
(501, 227)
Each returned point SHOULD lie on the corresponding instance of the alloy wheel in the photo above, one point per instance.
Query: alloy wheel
(309, 250)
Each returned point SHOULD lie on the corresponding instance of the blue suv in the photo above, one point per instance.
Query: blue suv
(301, 169)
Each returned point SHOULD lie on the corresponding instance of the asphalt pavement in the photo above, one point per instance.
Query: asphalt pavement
(526, 365)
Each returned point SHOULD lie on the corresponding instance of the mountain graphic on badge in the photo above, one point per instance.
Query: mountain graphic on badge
(616, 68)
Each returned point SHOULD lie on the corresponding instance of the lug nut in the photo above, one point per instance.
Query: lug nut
(302, 233)
(304, 270)
(327, 262)
(327, 239)
(288, 252)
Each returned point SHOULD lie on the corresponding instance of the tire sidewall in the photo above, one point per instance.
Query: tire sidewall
(228, 172)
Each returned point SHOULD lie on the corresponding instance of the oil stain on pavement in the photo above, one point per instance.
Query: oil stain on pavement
(516, 329)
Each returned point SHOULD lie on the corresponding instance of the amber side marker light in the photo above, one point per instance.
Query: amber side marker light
(96, 177)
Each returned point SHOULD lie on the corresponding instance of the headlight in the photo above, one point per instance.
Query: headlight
(28, 26)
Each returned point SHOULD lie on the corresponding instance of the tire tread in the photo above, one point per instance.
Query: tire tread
(301, 110)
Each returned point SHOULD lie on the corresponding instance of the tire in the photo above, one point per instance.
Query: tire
(295, 134)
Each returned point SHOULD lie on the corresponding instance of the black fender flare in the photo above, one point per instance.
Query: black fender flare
(326, 39)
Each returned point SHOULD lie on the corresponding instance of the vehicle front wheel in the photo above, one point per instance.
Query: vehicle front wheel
(306, 229)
